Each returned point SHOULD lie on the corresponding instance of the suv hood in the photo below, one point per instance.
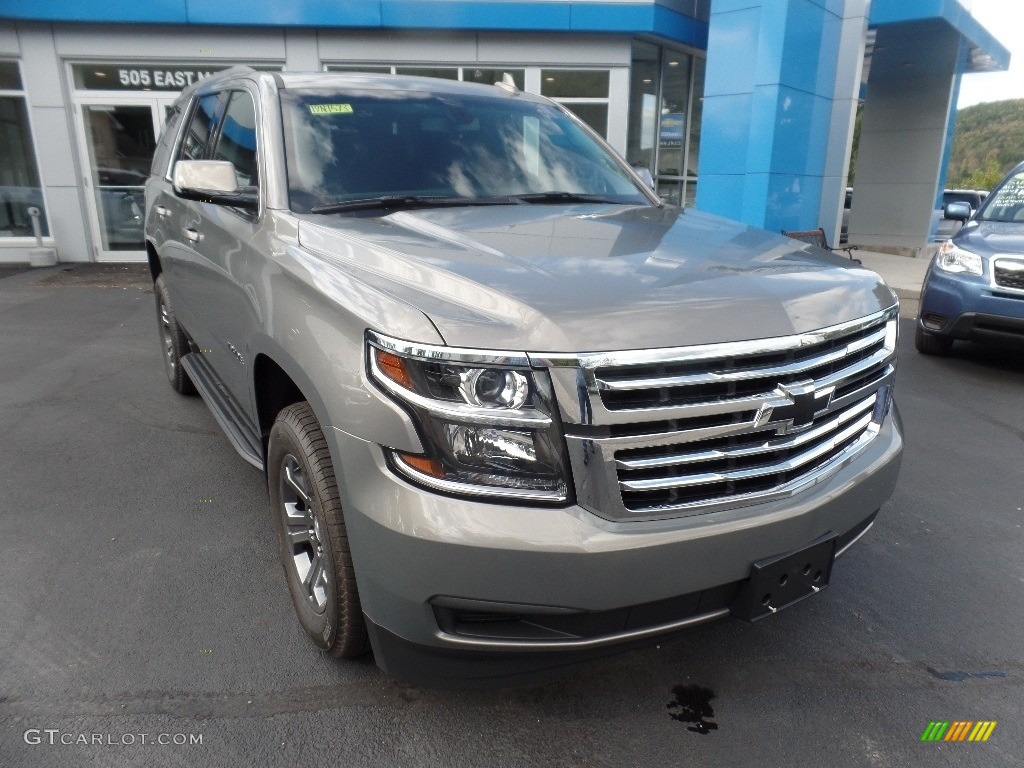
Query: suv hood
(988, 238)
(586, 278)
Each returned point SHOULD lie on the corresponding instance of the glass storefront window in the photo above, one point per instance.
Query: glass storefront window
(121, 139)
(574, 83)
(483, 75)
(594, 115)
(696, 113)
(582, 91)
(141, 76)
(365, 69)
(666, 90)
(20, 188)
(675, 95)
(643, 105)
(494, 75)
(10, 77)
(445, 73)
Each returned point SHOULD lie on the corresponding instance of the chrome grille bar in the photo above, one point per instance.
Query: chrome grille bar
(788, 465)
(763, 447)
(718, 377)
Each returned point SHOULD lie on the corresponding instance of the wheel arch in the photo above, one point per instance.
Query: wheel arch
(153, 259)
(278, 382)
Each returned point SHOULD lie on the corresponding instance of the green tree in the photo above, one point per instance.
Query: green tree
(989, 141)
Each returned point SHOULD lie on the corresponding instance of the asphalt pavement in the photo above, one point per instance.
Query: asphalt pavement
(141, 600)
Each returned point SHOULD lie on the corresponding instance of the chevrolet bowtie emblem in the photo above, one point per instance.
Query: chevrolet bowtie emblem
(805, 401)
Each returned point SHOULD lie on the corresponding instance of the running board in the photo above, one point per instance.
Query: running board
(224, 409)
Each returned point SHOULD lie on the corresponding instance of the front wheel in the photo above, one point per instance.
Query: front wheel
(311, 534)
(173, 342)
(930, 344)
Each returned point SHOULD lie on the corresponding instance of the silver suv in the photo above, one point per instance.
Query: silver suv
(512, 410)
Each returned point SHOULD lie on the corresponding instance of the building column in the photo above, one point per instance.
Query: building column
(54, 137)
(905, 134)
(779, 104)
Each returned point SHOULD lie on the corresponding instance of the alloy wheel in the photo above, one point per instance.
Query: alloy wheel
(304, 534)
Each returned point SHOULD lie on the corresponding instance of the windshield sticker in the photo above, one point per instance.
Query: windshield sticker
(330, 109)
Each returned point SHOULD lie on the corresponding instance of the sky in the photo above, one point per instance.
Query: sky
(1005, 20)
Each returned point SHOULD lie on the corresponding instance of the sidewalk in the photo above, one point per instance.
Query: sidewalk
(903, 274)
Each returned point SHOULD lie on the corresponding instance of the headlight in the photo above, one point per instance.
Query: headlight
(953, 259)
(488, 423)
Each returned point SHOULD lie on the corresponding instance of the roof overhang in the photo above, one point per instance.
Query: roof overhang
(986, 53)
(670, 20)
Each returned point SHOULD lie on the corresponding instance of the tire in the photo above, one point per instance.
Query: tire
(173, 341)
(311, 534)
(931, 344)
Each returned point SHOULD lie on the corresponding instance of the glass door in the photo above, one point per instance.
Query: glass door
(118, 139)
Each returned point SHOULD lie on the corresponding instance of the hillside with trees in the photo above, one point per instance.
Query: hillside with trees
(989, 142)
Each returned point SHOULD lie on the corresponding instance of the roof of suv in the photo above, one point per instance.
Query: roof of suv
(364, 80)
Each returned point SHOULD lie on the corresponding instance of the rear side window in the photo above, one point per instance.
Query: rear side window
(201, 127)
(237, 141)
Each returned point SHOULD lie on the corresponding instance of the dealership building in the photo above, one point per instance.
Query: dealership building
(743, 108)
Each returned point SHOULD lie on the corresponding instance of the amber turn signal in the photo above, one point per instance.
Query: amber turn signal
(423, 464)
(393, 367)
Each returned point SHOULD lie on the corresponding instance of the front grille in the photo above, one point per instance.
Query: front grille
(1009, 274)
(691, 430)
(713, 470)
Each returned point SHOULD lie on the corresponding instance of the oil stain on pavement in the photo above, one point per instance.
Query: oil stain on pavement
(693, 703)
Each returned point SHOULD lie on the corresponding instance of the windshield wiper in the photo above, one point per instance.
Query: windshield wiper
(562, 197)
(407, 201)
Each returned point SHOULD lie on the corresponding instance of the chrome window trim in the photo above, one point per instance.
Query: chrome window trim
(993, 261)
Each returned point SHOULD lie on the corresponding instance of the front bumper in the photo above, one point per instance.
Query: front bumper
(968, 308)
(425, 562)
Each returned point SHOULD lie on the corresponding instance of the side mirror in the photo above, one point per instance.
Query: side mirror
(957, 212)
(645, 175)
(213, 181)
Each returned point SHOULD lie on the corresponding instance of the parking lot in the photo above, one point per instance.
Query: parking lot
(140, 593)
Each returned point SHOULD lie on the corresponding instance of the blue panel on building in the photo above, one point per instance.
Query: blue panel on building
(539, 16)
(432, 14)
(151, 11)
(311, 13)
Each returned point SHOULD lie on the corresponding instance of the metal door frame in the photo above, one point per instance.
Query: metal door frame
(157, 101)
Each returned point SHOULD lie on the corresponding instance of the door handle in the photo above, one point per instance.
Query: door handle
(161, 211)
(192, 235)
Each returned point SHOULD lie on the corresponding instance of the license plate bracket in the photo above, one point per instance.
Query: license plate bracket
(780, 581)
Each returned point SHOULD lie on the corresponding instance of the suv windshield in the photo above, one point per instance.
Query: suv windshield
(1007, 202)
(354, 145)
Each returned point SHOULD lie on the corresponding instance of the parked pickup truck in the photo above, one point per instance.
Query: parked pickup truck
(512, 410)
